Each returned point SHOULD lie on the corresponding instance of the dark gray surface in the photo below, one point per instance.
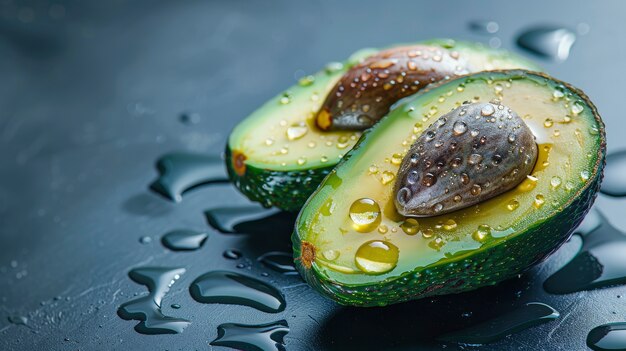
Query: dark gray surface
(90, 95)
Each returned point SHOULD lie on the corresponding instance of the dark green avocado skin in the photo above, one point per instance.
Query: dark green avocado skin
(285, 190)
(488, 266)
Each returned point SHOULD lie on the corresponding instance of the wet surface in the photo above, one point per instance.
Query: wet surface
(92, 94)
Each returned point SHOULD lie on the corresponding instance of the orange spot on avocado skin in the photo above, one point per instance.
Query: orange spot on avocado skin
(324, 120)
(239, 163)
(307, 254)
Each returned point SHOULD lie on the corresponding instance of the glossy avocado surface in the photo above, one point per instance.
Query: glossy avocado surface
(279, 155)
(351, 244)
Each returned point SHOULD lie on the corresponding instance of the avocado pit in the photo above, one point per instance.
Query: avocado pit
(469, 155)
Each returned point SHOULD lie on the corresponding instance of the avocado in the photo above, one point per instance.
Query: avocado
(351, 242)
(282, 151)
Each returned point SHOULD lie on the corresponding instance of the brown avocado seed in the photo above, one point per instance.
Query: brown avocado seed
(471, 154)
(365, 93)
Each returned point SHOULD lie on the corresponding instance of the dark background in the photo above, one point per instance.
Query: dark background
(91, 93)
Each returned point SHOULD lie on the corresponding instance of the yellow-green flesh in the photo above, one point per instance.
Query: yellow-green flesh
(568, 142)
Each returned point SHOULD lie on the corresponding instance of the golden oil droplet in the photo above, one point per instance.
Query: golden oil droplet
(410, 226)
(377, 257)
(365, 215)
(512, 205)
(528, 184)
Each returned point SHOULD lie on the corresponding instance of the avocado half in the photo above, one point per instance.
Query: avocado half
(362, 252)
(278, 156)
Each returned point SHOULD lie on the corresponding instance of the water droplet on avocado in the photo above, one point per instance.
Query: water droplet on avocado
(377, 257)
(449, 224)
(234, 288)
(614, 182)
(179, 172)
(476, 190)
(184, 240)
(482, 234)
(599, 263)
(459, 127)
(548, 123)
(147, 309)
(539, 201)
(410, 226)
(365, 215)
(296, 131)
(429, 179)
(281, 262)
(522, 318)
(549, 42)
(18, 320)
(285, 99)
(555, 182)
(608, 337)
(475, 159)
(387, 177)
(330, 255)
(487, 110)
(263, 337)
(512, 205)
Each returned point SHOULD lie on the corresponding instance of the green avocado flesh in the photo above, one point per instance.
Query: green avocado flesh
(277, 156)
(357, 255)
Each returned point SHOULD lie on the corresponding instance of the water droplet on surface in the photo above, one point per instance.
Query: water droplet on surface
(145, 240)
(396, 159)
(608, 337)
(540, 200)
(232, 254)
(484, 27)
(482, 233)
(281, 262)
(459, 127)
(179, 172)
(526, 316)
(377, 257)
(555, 182)
(475, 159)
(412, 177)
(365, 215)
(476, 189)
(387, 177)
(184, 240)
(429, 179)
(306, 81)
(410, 226)
(250, 220)
(189, 118)
(449, 224)
(549, 42)
(330, 255)
(18, 320)
(438, 207)
(548, 123)
(147, 309)
(512, 205)
(262, 337)
(238, 289)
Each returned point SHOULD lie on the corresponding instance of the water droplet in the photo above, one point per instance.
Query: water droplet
(457, 198)
(496, 159)
(584, 175)
(18, 320)
(539, 201)
(373, 169)
(145, 240)
(412, 177)
(548, 123)
(555, 182)
(269, 142)
(512, 205)
(614, 183)
(306, 81)
(396, 159)
(184, 240)
(175, 306)
(429, 179)
(487, 110)
(484, 27)
(301, 161)
(382, 229)
(232, 254)
(179, 172)
(465, 179)
(262, 337)
(456, 162)
(459, 127)
(449, 224)
(430, 135)
(474, 133)
(524, 317)
(296, 131)
(377, 257)
(608, 337)
(238, 289)
(365, 214)
(482, 233)
(475, 159)
(342, 142)
(250, 220)
(476, 190)
(330, 255)
(550, 42)
(281, 262)
(410, 226)
(285, 99)
(324, 159)
(333, 67)
(147, 309)
(511, 138)
(387, 177)
(438, 207)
